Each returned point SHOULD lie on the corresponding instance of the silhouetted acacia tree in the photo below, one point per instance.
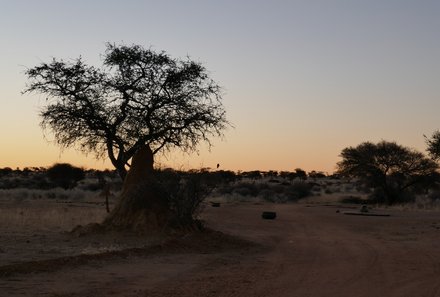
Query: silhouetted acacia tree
(6, 171)
(316, 174)
(393, 170)
(301, 174)
(434, 145)
(138, 97)
(255, 174)
(65, 175)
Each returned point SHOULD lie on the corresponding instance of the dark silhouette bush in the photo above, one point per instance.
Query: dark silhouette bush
(301, 174)
(185, 192)
(5, 171)
(299, 190)
(316, 174)
(224, 176)
(256, 174)
(269, 191)
(247, 189)
(274, 181)
(65, 175)
(396, 173)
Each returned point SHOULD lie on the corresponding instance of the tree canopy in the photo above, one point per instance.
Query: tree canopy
(434, 145)
(391, 169)
(65, 175)
(138, 97)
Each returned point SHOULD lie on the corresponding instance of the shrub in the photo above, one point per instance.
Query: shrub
(274, 196)
(65, 175)
(256, 174)
(223, 177)
(316, 174)
(273, 192)
(378, 196)
(185, 192)
(299, 190)
(225, 189)
(248, 189)
(5, 171)
(274, 181)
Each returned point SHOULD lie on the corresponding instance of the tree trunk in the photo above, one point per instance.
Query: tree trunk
(143, 204)
(122, 172)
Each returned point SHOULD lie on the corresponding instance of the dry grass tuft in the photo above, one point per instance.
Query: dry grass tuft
(32, 216)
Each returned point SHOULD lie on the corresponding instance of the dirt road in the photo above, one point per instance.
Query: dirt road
(314, 251)
(306, 251)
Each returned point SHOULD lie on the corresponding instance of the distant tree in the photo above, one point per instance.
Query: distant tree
(393, 170)
(300, 189)
(26, 171)
(271, 173)
(65, 175)
(224, 176)
(286, 174)
(139, 97)
(254, 174)
(316, 174)
(301, 174)
(434, 145)
(6, 171)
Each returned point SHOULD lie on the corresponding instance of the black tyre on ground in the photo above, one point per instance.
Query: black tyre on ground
(269, 215)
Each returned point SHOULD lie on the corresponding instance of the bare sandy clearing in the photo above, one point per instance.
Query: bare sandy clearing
(306, 251)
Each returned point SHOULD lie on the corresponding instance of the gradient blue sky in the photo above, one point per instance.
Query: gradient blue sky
(302, 79)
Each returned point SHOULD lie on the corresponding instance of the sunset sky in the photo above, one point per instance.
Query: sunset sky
(302, 79)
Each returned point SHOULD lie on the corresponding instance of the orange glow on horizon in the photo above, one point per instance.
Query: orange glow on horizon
(178, 160)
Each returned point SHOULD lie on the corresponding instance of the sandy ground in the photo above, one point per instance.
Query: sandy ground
(308, 250)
